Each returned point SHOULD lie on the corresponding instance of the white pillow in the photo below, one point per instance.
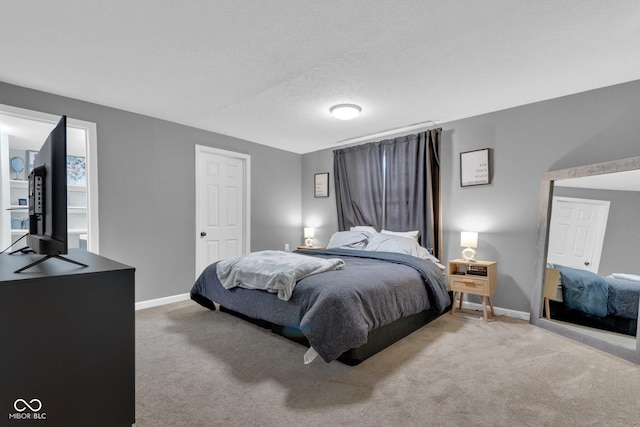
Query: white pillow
(392, 243)
(424, 254)
(409, 234)
(367, 228)
(349, 240)
(626, 276)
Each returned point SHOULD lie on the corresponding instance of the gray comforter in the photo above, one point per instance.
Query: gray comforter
(623, 298)
(336, 309)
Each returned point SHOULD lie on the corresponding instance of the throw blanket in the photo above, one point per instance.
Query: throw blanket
(272, 271)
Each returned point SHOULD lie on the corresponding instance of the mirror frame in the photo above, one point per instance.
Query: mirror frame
(544, 214)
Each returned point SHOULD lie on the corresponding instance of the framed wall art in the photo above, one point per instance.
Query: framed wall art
(76, 170)
(31, 159)
(321, 184)
(475, 167)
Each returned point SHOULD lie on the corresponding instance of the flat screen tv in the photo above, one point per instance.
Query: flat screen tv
(48, 199)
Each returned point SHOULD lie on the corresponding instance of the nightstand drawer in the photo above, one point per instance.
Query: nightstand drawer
(469, 284)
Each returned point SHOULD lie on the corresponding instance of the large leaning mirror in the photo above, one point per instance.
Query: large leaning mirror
(588, 272)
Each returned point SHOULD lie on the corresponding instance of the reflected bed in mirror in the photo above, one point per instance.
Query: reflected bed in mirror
(588, 275)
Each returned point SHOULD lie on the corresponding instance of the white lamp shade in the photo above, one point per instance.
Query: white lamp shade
(309, 234)
(469, 239)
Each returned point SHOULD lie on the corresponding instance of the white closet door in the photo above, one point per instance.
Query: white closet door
(222, 205)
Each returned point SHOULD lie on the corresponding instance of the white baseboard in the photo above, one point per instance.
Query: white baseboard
(161, 301)
(499, 311)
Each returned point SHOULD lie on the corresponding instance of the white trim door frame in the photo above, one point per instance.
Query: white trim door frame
(223, 205)
(91, 141)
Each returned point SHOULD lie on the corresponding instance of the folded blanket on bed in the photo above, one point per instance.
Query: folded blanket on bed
(272, 271)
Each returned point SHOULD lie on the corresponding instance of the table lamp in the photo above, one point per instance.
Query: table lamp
(309, 234)
(468, 240)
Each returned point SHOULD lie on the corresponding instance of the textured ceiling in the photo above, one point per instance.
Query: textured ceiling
(268, 71)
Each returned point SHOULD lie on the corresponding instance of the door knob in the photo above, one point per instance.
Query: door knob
(203, 233)
(587, 263)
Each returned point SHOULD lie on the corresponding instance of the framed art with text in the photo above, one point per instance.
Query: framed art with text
(475, 167)
(321, 185)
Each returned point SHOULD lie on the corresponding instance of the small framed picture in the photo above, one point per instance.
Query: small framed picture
(321, 185)
(475, 167)
(76, 170)
(31, 160)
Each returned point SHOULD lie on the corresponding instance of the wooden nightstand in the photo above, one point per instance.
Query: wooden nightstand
(311, 247)
(478, 278)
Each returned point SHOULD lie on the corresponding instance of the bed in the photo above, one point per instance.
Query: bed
(582, 297)
(386, 288)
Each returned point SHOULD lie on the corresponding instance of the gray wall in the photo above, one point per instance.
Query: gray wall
(147, 189)
(619, 249)
(585, 128)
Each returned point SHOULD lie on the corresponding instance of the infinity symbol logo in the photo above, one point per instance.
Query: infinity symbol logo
(21, 405)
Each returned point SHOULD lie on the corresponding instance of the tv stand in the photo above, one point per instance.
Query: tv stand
(46, 257)
(25, 250)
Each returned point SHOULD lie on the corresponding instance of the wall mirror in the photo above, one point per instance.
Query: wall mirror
(587, 284)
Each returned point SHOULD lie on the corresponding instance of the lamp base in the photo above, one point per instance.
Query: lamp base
(469, 254)
(309, 242)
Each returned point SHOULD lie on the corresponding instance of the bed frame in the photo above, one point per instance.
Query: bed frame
(610, 323)
(377, 340)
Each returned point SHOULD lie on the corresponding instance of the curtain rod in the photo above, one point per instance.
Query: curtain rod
(387, 132)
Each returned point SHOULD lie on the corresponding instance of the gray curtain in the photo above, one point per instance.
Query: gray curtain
(392, 184)
(359, 185)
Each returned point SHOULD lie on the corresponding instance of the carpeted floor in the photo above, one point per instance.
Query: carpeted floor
(195, 367)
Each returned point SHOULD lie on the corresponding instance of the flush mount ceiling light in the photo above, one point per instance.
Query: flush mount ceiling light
(345, 111)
